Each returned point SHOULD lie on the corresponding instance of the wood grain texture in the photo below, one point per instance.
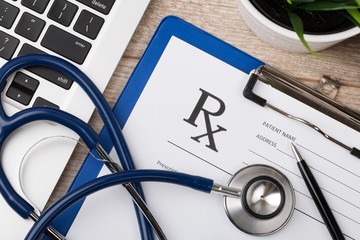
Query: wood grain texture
(222, 19)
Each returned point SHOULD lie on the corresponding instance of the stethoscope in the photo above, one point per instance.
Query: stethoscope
(258, 200)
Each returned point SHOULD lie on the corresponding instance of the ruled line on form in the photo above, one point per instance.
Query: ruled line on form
(198, 157)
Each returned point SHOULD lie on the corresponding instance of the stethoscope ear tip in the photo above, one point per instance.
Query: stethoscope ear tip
(267, 202)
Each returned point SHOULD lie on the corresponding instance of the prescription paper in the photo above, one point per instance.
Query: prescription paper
(189, 92)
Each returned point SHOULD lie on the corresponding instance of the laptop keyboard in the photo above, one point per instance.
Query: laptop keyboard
(27, 24)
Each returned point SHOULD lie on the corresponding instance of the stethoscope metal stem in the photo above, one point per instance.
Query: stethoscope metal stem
(50, 231)
(114, 167)
(227, 191)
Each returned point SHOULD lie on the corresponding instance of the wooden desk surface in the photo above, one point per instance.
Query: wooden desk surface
(222, 19)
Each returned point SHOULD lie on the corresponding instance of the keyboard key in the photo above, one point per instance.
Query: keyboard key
(41, 102)
(3, 86)
(66, 44)
(49, 74)
(103, 6)
(8, 45)
(36, 5)
(19, 95)
(26, 82)
(88, 24)
(30, 26)
(8, 14)
(62, 12)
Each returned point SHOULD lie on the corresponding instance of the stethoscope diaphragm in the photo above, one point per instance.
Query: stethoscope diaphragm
(267, 201)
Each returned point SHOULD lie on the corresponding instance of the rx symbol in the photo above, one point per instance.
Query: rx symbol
(200, 107)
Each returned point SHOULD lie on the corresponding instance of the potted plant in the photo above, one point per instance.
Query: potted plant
(302, 25)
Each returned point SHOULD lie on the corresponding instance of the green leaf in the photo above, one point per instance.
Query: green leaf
(299, 29)
(355, 14)
(302, 1)
(329, 6)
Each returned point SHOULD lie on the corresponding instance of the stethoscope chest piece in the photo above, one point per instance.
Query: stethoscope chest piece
(267, 200)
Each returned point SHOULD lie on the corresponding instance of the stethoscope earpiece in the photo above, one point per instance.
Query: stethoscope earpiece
(267, 200)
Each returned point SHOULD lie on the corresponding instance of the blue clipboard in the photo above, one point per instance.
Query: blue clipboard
(169, 26)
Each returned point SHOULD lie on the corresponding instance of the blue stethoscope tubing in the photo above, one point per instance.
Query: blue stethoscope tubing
(10, 124)
(195, 182)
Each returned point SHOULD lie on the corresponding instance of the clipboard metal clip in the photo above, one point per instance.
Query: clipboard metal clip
(307, 95)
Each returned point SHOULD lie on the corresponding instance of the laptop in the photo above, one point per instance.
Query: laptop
(91, 34)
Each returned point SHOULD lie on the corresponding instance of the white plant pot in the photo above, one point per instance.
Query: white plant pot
(283, 38)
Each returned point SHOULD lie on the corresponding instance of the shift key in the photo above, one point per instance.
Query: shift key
(66, 44)
(49, 74)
